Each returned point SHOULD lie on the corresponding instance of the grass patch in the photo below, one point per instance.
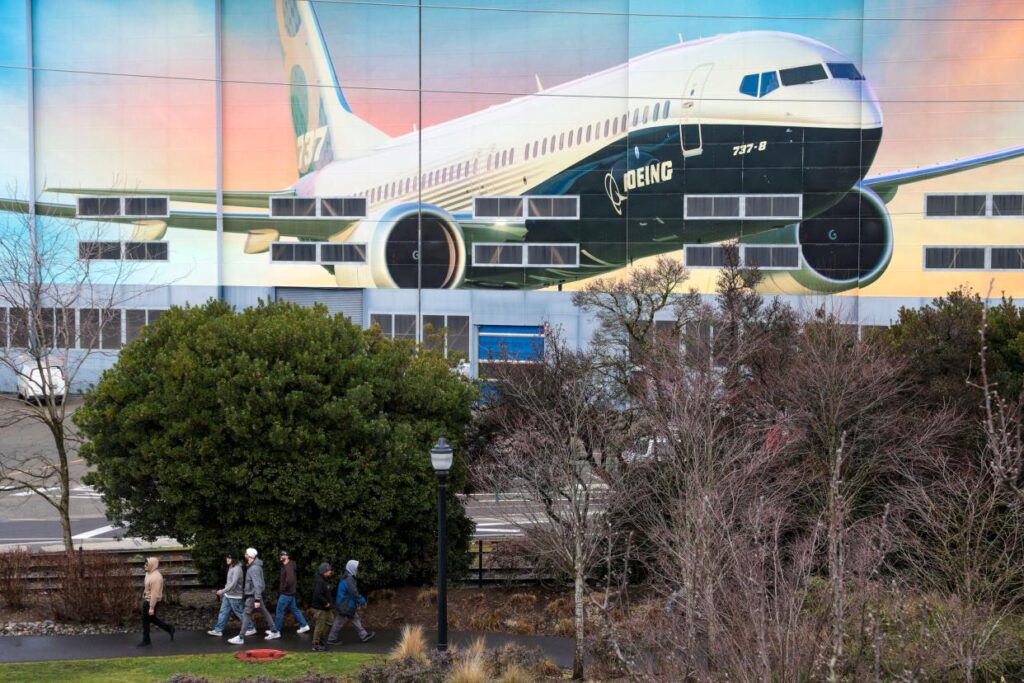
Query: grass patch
(214, 667)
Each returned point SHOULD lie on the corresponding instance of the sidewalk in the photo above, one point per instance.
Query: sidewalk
(109, 646)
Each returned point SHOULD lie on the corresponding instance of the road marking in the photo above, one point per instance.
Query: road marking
(95, 532)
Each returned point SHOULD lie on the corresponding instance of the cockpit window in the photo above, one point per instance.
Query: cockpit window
(845, 70)
(748, 86)
(769, 82)
(803, 74)
(759, 85)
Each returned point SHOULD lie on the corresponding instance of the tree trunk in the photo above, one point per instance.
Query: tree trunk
(577, 660)
(64, 509)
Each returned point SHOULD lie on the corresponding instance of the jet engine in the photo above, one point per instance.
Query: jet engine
(396, 257)
(847, 246)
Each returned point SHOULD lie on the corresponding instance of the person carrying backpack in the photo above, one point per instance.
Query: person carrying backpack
(346, 603)
(321, 604)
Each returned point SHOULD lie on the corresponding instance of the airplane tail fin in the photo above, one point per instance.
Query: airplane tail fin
(325, 127)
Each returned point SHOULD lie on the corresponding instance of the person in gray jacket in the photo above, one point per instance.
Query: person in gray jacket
(252, 594)
(230, 596)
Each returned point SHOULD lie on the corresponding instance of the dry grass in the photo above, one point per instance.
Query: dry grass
(522, 601)
(412, 644)
(516, 674)
(549, 669)
(559, 607)
(382, 594)
(565, 627)
(486, 621)
(471, 666)
(427, 596)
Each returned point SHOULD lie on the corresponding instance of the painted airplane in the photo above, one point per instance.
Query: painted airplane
(762, 137)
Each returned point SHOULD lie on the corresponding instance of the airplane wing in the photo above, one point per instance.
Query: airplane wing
(886, 185)
(241, 198)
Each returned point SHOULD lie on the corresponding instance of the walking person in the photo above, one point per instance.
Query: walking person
(321, 604)
(346, 603)
(152, 594)
(252, 594)
(286, 599)
(230, 597)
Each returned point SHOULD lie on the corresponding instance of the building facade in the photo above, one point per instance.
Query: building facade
(418, 164)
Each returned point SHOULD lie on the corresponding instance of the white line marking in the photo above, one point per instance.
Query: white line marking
(95, 532)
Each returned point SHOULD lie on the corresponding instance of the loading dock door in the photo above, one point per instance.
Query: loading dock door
(346, 301)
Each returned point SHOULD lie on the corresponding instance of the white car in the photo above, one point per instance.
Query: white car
(35, 383)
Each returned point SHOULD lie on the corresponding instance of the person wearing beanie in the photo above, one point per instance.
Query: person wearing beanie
(346, 603)
(252, 595)
(230, 596)
(286, 599)
(321, 604)
(152, 594)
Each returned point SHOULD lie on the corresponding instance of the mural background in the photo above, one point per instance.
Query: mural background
(125, 96)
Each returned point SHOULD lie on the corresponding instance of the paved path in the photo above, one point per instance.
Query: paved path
(109, 646)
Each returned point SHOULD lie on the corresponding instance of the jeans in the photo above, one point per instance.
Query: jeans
(228, 606)
(339, 621)
(154, 619)
(284, 604)
(247, 619)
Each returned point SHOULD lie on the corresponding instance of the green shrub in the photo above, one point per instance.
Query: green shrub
(279, 427)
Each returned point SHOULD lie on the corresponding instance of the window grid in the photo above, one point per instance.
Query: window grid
(346, 207)
(959, 257)
(547, 207)
(76, 328)
(960, 205)
(743, 207)
(760, 256)
(130, 206)
(134, 250)
(526, 255)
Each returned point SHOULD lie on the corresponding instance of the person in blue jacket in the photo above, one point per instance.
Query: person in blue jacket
(346, 603)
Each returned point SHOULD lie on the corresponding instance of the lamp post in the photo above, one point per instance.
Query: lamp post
(441, 459)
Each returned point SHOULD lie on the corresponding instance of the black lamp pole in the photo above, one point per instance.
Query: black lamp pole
(441, 458)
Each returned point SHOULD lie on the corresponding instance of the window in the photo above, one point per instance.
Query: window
(845, 70)
(509, 344)
(535, 147)
(512, 156)
(395, 325)
(664, 111)
(1008, 205)
(657, 110)
(615, 126)
(507, 255)
(99, 206)
(636, 116)
(497, 207)
(526, 152)
(769, 82)
(647, 111)
(292, 207)
(553, 207)
(18, 326)
(456, 333)
(704, 256)
(570, 138)
(803, 74)
(1007, 258)
(145, 206)
(552, 143)
(624, 119)
(561, 141)
(748, 85)
(135, 319)
(607, 126)
(771, 257)
(99, 251)
(955, 205)
(293, 252)
(553, 255)
(544, 146)
(712, 206)
(331, 252)
(145, 251)
(110, 328)
(579, 135)
(956, 258)
(343, 207)
(504, 158)
(748, 207)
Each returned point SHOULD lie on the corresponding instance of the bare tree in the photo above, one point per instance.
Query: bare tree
(61, 302)
(557, 427)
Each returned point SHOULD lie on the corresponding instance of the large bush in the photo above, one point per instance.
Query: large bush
(279, 427)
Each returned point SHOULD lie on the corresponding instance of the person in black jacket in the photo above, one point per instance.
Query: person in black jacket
(286, 599)
(322, 604)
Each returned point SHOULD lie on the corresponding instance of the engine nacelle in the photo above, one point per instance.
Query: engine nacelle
(847, 246)
(393, 253)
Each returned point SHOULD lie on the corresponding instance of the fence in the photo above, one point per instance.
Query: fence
(175, 564)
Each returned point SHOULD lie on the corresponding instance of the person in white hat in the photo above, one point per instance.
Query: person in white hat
(252, 594)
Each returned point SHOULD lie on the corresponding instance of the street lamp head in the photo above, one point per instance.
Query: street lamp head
(441, 456)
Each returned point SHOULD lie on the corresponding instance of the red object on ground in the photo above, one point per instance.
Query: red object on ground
(259, 655)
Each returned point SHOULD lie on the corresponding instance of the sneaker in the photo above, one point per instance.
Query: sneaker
(332, 642)
(215, 632)
(237, 640)
(303, 629)
(250, 632)
(268, 632)
(369, 636)
(273, 635)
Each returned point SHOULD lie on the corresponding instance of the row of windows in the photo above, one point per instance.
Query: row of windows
(760, 84)
(122, 251)
(318, 252)
(567, 207)
(504, 255)
(454, 339)
(763, 256)
(134, 207)
(988, 204)
(83, 328)
(318, 207)
(751, 206)
(974, 258)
